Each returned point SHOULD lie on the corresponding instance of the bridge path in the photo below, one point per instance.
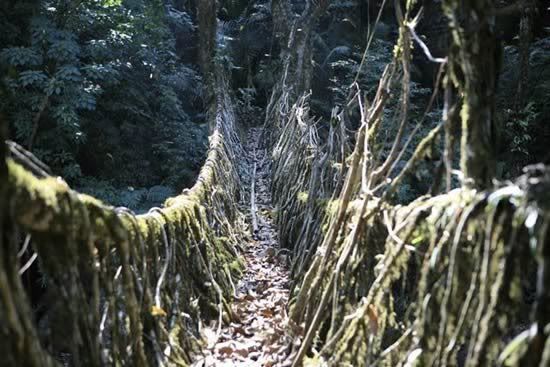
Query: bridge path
(256, 336)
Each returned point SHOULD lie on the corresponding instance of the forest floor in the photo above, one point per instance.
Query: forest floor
(257, 335)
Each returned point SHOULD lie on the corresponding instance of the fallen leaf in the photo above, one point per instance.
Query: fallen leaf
(373, 319)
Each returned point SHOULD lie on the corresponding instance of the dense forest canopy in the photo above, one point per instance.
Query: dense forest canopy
(393, 152)
(109, 93)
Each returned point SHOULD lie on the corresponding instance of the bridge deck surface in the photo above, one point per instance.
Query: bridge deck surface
(257, 336)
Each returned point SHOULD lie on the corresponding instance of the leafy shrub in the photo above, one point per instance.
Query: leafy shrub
(102, 91)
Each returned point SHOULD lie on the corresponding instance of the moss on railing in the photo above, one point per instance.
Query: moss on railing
(122, 289)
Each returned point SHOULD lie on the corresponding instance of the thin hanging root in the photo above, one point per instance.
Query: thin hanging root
(167, 259)
(450, 275)
(220, 295)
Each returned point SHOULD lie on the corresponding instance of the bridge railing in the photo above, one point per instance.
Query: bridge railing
(117, 288)
(460, 278)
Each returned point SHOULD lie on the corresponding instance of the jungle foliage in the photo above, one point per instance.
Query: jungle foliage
(105, 94)
(110, 95)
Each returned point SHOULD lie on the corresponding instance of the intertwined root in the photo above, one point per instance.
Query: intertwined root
(456, 279)
(122, 288)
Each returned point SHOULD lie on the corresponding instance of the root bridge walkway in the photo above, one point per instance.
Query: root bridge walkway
(256, 336)
(86, 284)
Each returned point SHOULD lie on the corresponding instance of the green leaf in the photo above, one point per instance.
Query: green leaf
(21, 56)
(110, 3)
(32, 78)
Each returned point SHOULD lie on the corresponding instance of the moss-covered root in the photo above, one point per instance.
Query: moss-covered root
(121, 289)
(450, 286)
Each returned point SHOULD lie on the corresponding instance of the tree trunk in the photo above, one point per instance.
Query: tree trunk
(525, 35)
(280, 10)
(36, 121)
(473, 65)
(206, 15)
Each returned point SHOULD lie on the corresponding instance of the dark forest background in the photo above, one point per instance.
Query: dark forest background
(109, 93)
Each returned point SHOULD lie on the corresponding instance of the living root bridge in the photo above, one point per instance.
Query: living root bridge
(456, 279)
(441, 281)
(122, 289)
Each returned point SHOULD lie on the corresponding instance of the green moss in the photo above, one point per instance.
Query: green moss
(331, 207)
(236, 267)
(303, 197)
